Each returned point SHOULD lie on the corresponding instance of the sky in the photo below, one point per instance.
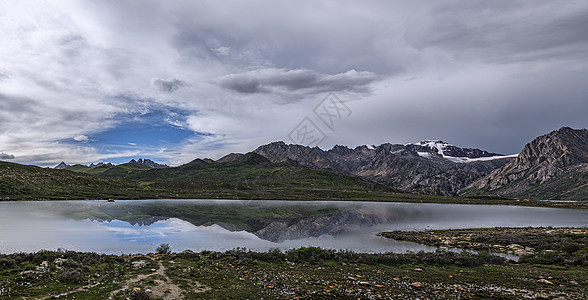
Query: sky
(90, 81)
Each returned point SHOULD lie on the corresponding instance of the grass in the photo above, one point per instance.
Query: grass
(22, 182)
(295, 274)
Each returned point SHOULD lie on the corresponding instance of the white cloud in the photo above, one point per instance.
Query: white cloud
(81, 138)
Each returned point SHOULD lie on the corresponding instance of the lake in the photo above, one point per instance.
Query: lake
(139, 226)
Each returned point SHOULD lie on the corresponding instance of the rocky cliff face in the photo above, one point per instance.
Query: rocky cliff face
(148, 163)
(426, 167)
(542, 163)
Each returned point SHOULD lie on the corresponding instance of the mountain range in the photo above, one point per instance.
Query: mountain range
(143, 162)
(553, 166)
(429, 167)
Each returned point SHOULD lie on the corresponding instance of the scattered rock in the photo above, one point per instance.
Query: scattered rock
(544, 281)
(139, 264)
(43, 267)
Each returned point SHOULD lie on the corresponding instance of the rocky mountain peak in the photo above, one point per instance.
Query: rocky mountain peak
(543, 160)
(61, 166)
(420, 167)
(100, 164)
(562, 147)
(148, 163)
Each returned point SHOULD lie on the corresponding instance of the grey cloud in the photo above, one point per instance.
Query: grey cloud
(296, 82)
(502, 31)
(167, 85)
(4, 74)
(6, 156)
(294, 35)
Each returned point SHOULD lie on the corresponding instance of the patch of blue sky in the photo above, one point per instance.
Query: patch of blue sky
(151, 131)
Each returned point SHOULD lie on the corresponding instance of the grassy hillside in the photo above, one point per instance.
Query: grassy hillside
(198, 179)
(247, 179)
(248, 176)
(109, 171)
(20, 182)
(572, 185)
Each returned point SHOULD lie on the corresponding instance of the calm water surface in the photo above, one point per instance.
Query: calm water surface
(33, 226)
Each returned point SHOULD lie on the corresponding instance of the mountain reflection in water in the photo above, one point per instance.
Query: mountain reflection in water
(140, 226)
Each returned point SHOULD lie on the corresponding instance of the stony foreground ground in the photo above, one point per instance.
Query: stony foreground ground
(313, 273)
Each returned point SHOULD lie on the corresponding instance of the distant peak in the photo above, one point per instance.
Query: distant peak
(148, 163)
(61, 166)
(100, 164)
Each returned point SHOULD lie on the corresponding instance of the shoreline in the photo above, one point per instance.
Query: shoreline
(571, 204)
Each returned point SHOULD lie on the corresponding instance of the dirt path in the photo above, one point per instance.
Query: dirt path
(80, 289)
(165, 288)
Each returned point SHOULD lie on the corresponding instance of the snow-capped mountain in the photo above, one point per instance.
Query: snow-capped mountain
(437, 148)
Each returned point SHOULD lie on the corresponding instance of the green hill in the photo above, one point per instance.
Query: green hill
(109, 171)
(21, 182)
(253, 176)
(243, 176)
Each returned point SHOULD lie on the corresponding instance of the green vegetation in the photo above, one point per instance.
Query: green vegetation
(572, 185)
(21, 182)
(294, 274)
(542, 245)
(568, 186)
(47, 273)
(119, 171)
(163, 249)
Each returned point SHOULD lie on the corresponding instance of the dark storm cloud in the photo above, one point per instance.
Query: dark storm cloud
(296, 82)
(6, 156)
(167, 85)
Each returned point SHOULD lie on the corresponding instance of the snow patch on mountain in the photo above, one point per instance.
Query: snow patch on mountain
(456, 154)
